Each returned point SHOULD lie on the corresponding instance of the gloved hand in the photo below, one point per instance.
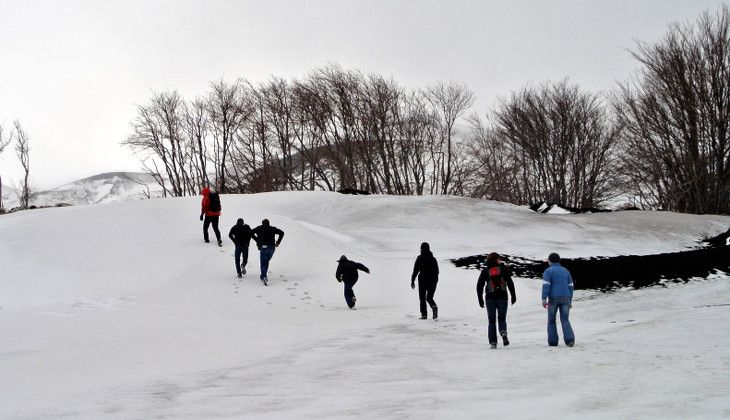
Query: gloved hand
(545, 304)
(201, 217)
(481, 304)
(413, 284)
(514, 299)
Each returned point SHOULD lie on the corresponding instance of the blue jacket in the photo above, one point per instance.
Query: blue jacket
(557, 282)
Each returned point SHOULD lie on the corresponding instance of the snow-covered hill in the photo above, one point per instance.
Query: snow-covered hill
(101, 188)
(121, 311)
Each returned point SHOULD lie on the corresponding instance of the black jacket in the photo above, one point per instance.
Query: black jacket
(240, 234)
(497, 294)
(265, 235)
(426, 268)
(347, 271)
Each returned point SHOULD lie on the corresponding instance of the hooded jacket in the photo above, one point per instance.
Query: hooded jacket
(240, 234)
(426, 267)
(205, 204)
(347, 271)
(497, 294)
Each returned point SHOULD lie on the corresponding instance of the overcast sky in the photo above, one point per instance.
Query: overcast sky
(73, 72)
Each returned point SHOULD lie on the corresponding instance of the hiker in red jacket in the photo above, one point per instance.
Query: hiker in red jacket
(210, 211)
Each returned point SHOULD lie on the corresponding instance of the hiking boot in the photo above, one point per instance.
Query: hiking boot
(220, 243)
(493, 345)
(435, 312)
(505, 341)
(424, 317)
(571, 344)
(354, 299)
(265, 281)
(239, 275)
(243, 270)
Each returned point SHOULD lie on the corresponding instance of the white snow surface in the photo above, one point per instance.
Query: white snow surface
(121, 311)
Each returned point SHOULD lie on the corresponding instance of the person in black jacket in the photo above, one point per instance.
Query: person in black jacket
(240, 234)
(427, 270)
(497, 279)
(265, 237)
(347, 273)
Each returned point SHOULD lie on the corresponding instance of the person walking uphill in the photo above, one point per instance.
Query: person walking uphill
(427, 270)
(347, 273)
(266, 241)
(240, 234)
(496, 279)
(210, 212)
(557, 295)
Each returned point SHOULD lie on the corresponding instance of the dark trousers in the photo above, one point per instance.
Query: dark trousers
(241, 255)
(426, 290)
(211, 220)
(496, 311)
(349, 293)
(266, 255)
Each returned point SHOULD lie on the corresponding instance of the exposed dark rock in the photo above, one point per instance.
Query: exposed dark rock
(353, 191)
(637, 271)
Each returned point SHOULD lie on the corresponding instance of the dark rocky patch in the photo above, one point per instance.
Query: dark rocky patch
(637, 271)
(353, 191)
(545, 207)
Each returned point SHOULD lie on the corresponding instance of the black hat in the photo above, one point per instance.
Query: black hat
(342, 258)
(554, 258)
(425, 246)
(239, 221)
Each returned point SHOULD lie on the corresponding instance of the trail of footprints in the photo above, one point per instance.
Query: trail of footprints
(292, 289)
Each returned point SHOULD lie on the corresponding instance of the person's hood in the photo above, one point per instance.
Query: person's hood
(205, 191)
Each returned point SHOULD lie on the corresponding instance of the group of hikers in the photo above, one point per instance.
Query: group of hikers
(494, 286)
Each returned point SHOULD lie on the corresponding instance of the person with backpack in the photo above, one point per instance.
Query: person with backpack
(347, 273)
(557, 295)
(240, 234)
(210, 212)
(266, 241)
(496, 279)
(427, 269)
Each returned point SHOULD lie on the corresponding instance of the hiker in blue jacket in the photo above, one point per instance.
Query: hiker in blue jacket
(557, 295)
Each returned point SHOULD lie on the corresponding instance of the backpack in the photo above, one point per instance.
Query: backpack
(496, 282)
(215, 201)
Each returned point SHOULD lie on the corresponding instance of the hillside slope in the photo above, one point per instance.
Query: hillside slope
(102, 188)
(122, 311)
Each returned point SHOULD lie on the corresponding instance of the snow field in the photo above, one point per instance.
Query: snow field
(121, 311)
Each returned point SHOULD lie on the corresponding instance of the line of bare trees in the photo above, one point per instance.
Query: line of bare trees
(334, 129)
(660, 138)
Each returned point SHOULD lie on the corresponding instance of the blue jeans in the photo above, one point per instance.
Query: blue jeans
(349, 293)
(266, 255)
(496, 311)
(562, 304)
(241, 256)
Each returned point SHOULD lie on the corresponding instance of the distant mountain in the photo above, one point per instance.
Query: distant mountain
(101, 188)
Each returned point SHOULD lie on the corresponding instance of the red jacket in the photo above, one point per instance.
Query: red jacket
(205, 205)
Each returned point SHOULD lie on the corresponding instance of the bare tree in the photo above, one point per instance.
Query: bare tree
(559, 145)
(676, 113)
(228, 107)
(22, 150)
(450, 101)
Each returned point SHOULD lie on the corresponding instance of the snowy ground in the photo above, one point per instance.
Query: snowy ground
(121, 311)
